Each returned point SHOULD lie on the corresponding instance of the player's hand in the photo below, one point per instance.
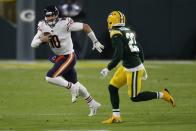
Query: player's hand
(98, 46)
(45, 37)
(104, 72)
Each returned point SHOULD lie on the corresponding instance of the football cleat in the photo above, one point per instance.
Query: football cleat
(93, 108)
(113, 119)
(167, 97)
(74, 93)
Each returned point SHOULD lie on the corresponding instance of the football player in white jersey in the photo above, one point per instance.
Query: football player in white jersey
(56, 32)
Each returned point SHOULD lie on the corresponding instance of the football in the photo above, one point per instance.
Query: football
(46, 33)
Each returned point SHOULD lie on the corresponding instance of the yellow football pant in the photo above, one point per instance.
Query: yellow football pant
(133, 80)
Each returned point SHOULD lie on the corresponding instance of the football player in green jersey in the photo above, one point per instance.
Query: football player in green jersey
(132, 70)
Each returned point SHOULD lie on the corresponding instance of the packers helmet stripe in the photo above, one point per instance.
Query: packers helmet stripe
(121, 16)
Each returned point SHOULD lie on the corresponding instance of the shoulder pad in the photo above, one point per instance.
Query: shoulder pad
(40, 24)
(68, 19)
(114, 32)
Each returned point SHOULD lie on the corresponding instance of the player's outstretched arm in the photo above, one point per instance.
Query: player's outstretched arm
(76, 26)
(96, 44)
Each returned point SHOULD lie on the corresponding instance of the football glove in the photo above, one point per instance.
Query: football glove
(98, 46)
(104, 72)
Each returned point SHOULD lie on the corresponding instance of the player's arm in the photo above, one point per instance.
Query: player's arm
(117, 43)
(77, 26)
(40, 38)
(36, 40)
(118, 53)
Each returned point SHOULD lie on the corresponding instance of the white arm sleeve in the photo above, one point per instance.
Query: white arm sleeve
(76, 26)
(92, 36)
(36, 41)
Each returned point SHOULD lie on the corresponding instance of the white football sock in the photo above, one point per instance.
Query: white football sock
(59, 81)
(159, 95)
(116, 112)
(82, 90)
(85, 94)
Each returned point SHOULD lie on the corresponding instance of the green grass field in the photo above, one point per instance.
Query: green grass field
(29, 103)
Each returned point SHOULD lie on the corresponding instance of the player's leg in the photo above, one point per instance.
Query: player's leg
(134, 81)
(92, 103)
(62, 65)
(117, 81)
(71, 76)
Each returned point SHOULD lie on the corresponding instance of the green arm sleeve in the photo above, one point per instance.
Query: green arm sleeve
(117, 44)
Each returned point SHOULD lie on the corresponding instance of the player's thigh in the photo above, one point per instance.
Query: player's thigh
(71, 75)
(62, 66)
(119, 77)
(134, 82)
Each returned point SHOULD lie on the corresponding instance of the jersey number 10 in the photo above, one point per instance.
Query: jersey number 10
(132, 42)
(55, 42)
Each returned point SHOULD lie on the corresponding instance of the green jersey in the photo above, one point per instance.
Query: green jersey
(126, 48)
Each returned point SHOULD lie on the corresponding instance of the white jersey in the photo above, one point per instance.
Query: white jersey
(61, 42)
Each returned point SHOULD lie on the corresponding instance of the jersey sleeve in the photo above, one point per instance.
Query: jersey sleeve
(117, 44)
(36, 41)
(76, 26)
(39, 26)
(69, 22)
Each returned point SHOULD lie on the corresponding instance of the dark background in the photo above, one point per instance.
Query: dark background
(165, 28)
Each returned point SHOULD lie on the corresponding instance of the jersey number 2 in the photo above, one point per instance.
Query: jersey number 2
(132, 42)
(55, 43)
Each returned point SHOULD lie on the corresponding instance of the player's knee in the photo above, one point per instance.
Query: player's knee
(134, 99)
(112, 89)
(49, 74)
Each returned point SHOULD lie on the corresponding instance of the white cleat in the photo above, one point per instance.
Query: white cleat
(93, 108)
(74, 93)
